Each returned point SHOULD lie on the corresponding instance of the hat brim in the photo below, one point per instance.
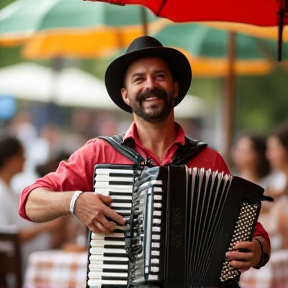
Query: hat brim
(178, 63)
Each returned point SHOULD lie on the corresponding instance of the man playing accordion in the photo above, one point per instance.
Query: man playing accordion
(149, 80)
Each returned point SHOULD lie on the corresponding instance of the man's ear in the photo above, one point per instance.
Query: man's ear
(125, 96)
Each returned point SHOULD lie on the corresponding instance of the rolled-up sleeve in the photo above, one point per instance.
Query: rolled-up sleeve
(76, 173)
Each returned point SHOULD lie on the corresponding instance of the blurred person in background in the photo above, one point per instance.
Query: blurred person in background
(32, 236)
(277, 154)
(73, 235)
(52, 164)
(249, 157)
(275, 216)
(252, 154)
(23, 128)
(40, 146)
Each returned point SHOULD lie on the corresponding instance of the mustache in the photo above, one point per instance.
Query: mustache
(156, 92)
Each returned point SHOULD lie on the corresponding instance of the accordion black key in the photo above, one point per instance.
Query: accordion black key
(181, 222)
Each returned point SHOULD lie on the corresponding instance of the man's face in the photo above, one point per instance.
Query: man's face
(149, 89)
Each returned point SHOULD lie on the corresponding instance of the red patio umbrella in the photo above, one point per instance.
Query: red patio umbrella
(256, 12)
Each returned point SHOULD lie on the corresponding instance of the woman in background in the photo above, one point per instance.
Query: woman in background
(33, 237)
(260, 160)
(276, 217)
(249, 158)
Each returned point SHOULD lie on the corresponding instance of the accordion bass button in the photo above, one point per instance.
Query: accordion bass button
(155, 245)
(156, 221)
(154, 261)
(157, 213)
(154, 269)
(156, 229)
(157, 205)
(155, 237)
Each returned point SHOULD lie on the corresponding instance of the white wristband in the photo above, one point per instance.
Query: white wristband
(73, 201)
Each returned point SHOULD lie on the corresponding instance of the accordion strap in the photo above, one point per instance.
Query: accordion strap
(187, 151)
(117, 142)
(182, 155)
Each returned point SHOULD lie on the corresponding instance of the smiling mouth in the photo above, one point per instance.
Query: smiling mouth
(152, 98)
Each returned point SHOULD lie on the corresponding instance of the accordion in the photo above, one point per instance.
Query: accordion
(180, 223)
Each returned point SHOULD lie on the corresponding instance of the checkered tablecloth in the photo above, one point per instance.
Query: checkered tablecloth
(61, 269)
(273, 275)
(56, 269)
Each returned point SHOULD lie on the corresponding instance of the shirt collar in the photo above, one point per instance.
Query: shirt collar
(133, 134)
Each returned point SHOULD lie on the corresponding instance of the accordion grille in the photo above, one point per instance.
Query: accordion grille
(242, 232)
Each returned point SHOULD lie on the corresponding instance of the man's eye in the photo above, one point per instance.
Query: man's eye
(160, 76)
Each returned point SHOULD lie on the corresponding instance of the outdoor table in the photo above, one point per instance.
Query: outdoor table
(273, 275)
(56, 269)
(67, 269)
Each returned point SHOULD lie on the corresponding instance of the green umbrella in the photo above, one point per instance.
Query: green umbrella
(219, 53)
(72, 27)
(204, 46)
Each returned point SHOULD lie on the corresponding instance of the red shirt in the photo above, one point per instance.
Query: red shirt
(77, 172)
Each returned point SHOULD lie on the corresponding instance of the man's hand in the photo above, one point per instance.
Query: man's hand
(93, 210)
(245, 255)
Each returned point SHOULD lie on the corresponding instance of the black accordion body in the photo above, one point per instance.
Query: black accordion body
(180, 223)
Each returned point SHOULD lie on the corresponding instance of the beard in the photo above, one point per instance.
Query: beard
(155, 112)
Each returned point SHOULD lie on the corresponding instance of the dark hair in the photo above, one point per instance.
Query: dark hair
(259, 145)
(52, 164)
(9, 147)
(281, 132)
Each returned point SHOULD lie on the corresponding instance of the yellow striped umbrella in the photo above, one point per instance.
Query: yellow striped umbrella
(207, 67)
(73, 28)
(253, 30)
(73, 43)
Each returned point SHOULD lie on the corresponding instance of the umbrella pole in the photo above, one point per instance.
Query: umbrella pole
(229, 96)
(144, 21)
(54, 112)
(56, 65)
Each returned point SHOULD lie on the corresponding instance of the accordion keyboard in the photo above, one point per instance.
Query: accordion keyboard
(107, 259)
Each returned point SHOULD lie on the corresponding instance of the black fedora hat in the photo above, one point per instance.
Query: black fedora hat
(146, 46)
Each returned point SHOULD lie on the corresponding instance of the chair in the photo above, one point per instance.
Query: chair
(10, 259)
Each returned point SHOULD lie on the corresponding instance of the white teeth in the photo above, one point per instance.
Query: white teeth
(151, 98)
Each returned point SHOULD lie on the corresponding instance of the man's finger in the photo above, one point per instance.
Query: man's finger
(241, 265)
(96, 228)
(114, 216)
(107, 200)
(109, 226)
(242, 256)
(245, 245)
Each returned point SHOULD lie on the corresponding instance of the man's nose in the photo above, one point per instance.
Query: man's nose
(150, 82)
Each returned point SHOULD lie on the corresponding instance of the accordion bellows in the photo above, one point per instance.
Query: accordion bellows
(180, 223)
